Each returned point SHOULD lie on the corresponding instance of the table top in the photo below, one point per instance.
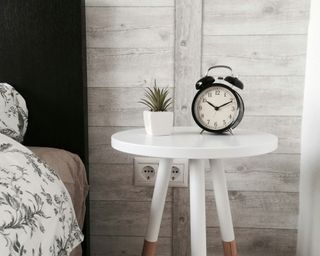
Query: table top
(187, 142)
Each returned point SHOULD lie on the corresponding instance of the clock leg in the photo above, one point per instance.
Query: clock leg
(197, 208)
(157, 206)
(223, 207)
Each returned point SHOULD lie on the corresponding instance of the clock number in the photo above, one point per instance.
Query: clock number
(215, 124)
(208, 121)
(204, 100)
(199, 107)
(209, 94)
(202, 115)
(217, 92)
(225, 94)
(224, 122)
(230, 116)
(233, 109)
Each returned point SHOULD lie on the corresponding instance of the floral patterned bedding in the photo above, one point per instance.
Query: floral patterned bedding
(36, 213)
(13, 112)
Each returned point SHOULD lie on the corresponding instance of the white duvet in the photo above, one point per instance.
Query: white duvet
(36, 213)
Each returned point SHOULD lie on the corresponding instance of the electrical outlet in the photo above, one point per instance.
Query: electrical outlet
(148, 172)
(146, 168)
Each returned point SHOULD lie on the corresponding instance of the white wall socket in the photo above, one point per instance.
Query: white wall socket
(146, 168)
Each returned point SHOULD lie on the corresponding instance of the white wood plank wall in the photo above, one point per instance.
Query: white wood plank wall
(265, 42)
(129, 44)
(132, 42)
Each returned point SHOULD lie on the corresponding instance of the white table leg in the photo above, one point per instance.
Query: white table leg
(157, 206)
(223, 207)
(197, 208)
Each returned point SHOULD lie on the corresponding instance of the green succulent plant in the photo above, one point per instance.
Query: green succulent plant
(156, 99)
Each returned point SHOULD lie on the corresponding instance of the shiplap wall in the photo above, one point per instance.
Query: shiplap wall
(132, 42)
(265, 41)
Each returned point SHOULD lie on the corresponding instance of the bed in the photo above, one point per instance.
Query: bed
(42, 54)
(72, 172)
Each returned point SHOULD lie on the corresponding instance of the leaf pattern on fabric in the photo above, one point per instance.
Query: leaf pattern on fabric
(36, 212)
(13, 113)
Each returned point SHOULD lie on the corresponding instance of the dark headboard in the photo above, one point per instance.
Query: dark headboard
(42, 54)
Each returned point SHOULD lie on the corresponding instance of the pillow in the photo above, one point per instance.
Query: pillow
(13, 113)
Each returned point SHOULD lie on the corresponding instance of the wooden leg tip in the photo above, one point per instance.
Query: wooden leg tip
(149, 248)
(230, 248)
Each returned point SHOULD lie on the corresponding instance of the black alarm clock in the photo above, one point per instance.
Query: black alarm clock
(218, 107)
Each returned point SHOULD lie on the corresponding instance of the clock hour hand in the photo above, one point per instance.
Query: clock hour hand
(224, 104)
(216, 108)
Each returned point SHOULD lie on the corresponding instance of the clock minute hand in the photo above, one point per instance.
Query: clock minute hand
(216, 108)
(224, 104)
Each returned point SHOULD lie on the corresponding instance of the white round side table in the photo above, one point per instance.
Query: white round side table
(188, 143)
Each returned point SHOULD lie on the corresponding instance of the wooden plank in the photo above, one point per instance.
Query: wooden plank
(113, 106)
(107, 155)
(270, 95)
(282, 55)
(187, 69)
(130, 27)
(126, 246)
(115, 182)
(101, 135)
(273, 95)
(272, 172)
(254, 242)
(247, 17)
(287, 128)
(281, 96)
(135, 3)
(258, 209)
(104, 154)
(128, 117)
(100, 150)
(180, 222)
(124, 218)
(102, 99)
(251, 242)
(132, 117)
(130, 67)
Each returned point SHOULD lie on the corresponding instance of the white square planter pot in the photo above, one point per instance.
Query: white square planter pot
(158, 123)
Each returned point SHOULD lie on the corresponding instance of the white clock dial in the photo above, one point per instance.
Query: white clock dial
(216, 108)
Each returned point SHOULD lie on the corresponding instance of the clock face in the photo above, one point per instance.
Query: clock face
(215, 108)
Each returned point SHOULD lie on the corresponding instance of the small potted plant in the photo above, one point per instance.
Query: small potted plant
(157, 120)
